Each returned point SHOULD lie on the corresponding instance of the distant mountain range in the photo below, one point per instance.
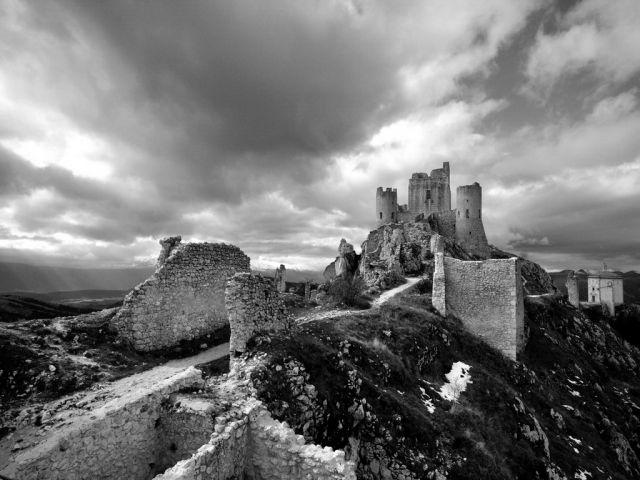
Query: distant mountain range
(22, 277)
(294, 276)
(631, 284)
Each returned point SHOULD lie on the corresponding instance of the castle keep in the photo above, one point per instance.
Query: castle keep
(430, 201)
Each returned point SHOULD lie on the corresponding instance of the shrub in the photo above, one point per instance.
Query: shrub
(348, 290)
(424, 286)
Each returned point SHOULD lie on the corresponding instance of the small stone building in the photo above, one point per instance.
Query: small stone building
(605, 287)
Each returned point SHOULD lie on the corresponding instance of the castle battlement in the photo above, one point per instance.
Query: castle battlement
(430, 195)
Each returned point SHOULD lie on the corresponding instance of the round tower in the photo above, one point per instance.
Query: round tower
(386, 205)
(469, 228)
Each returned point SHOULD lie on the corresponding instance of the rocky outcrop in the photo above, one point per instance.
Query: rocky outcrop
(345, 264)
(395, 250)
(535, 279)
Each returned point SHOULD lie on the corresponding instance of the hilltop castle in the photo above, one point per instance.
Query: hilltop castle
(430, 201)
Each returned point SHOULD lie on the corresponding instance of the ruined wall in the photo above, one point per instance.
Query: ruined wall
(572, 289)
(444, 223)
(253, 305)
(278, 453)
(183, 299)
(184, 426)
(438, 289)
(486, 296)
(118, 440)
(280, 279)
(223, 457)
(251, 444)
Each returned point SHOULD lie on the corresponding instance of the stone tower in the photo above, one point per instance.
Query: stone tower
(469, 228)
(386, 205)
(430, 193)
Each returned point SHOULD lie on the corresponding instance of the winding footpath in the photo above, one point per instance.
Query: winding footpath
(376, 304)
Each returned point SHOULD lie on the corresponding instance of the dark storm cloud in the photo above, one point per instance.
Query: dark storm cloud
(105, 213)
(254, 122)
(224, 80)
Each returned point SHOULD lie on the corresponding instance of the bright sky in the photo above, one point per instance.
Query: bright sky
(270, 124)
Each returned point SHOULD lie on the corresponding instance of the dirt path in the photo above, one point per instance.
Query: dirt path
(213, 353)
(385, 297)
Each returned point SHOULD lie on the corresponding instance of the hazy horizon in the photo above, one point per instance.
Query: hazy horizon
(270, 125)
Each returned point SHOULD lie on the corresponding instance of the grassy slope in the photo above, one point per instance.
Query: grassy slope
(577, 379)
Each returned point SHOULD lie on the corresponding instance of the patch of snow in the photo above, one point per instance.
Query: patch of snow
(427, 401)
(574, 393)
(579, 442)
(576, 450)
(458, 379)
(582, 474)
(568, 407)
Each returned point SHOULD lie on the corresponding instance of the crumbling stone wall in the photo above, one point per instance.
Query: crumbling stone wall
(486, 296)
(572, 289)
(184, 298)
(185, 424)
(251, 444)
(281, 279)
(444, 223)
(253, 305)
(118, 440)
(223, 457)
(278, 453)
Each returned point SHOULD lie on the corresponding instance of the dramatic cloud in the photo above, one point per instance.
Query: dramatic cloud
(596, 38)
(270, 124)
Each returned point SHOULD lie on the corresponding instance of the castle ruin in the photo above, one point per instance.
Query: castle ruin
(430, 201)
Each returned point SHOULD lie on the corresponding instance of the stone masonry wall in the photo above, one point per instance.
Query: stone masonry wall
(118, 440)
(223, 457)
(253, 305)
(214, 430)
(278, 453)
(253, 445)
(185, 425)
(184, 298)
(486, 296)
(444, 223)
(572, 289)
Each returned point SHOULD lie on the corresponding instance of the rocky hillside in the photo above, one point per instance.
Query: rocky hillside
(15, 307)
(392, 251)
(411, 395)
